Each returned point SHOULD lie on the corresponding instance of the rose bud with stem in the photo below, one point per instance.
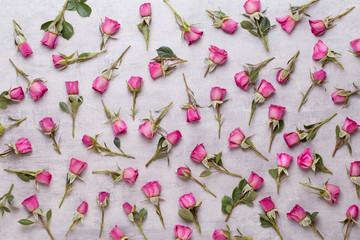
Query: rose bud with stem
(283, 161)
(314, 161)
(78, 215)
(103, 201)
(40, 176)
(276, 123)
(354, 175)
(355, 47)
(13, 95)
(221, 20)
(192, 106)
(324, 55)
(16, 123)
(22, 147)
(269, 219)
(224, 234)
(329, 192)
(283, 75)
(263, 92)
(6, 198)
(144, 25)
(351, 214)
(342, 96)
(216, 57)
(129, 175)
(188, 210)
(343, 135)
(217, 96)
(118, 125)
(152, 191)
(136, 217)
(117, 234)
(20, 41)
(61, 61)
(108, 28)
(134, 85)
(182, 232)
(48, 127)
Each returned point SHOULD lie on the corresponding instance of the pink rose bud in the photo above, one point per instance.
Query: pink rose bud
(305, 160)
(276, 112)
(25, 49)
(109, 26)
(229, 25)
(320, 50)
(145, 9)
(174, 137)
(280, 79)
(87, 140)
(155, 69)
(242, 80)
(219, 234)
(267, 204)
(183, 172)
(47, 125)
(130, 175)
(17, 94)
(192, 35)
(199, 153)
(319, 76)
(217, 94)
(352, 212)
(287, 23)
(255, 181)
(37, 90)
(135, 83)
(83, 208)
(57, 59)
(103, 198)
(23, 145)
(355, 44)
(284, 160)
(217, 55)
(291, 138)
(192, 115)
(77, 166)
(297, 213)
(317, 27)
(119, 127)
(350, 126)
(338, 98)
(265, 88)
(252, 6)
(152, 189)
(50, 39)
(182, 232)
(116, 233)
(236, 138)
(100, 84)
(127, 208)
(31, 203)
(187, 201)
(146, 129)
(72, 88)
(334, 191)
(44, 177)
(355, 169)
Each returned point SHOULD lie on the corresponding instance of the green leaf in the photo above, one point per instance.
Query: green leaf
(236, 194)
(254, 33)
(113, 176)
(67, 30)
(5, 209)
(274, 173)
(309, 126)
(225, 202)
(337, 131)
(186, 214)
(218, 159)
(165, 52)
(264, 24)
(252, 196)
(142, 214)
(161, 140)
(48, 215)
(23, 177)
(349, 147)
(206, 173)
(64, 107)
(25, 222)
(83, 9)
(220, 13)
(253, 75)
(279, 127)
(264, 223)
(247, 25)
(312, 135)
(313, 216)
(242, 184)
(71, 5)
(248, 202)
(117, 142)
(82, 55)
(10, 198)
(46, 25)
(3, 104)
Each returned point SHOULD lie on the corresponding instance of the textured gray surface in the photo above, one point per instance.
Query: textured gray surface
(242, 48)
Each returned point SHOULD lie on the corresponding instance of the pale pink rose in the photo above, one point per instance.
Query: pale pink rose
(174, 137)
(267, 204)
(83, 208)
(47, 124)
(255, 181)
(353, 212)
(317, 27)
(219, 234)
(236, 137)
(87, 140)
(229, 25)
(50, 39)
(199, 153)
(135, 83)
(76, 166)
(280, 79)
(217, 94)
(320, 50)
(100, 84)
(182, 232)
(319, 76)
(119, 127)
(145, 9)
(103, 198)
(72, 88)
(116, 233)
(355, 169)
(155, 69)
(291, 138)
(265, 88)
(146, 129)
(334, 191)
(192, 35)
(217, 55)
(252, 6)
(284, 160)
(23, 145)
(183, 172)
(355, 44)
(306, 159)
(287, 23)
(187, 201)
(130, 175)
(338, 98)
(31, 203)
(276, 112)
(242, 80)
(109, 26)
(350, 126)
(37, 90)
(17, 93)
(44, 177)
(58, 61)
(152, 189)
(127, 208)
(25, 49)
(192, 115)
(297, 213)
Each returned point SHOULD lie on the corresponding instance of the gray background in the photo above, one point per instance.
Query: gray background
(242, 48)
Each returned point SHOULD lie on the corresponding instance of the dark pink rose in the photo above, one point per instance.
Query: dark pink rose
(83, 208)
(297, 213)
(291, 138)
(109, 26)
(76, 166)
(50, 39)
(287, 23)
(317, 27)
(350, 126)
(152, 189)
(31, 203)
(17, 94)
(44, 177)
(306, 159)
(23, 145)
(25, 49)
(217, 55)
(192, 35)
(255, 181)
(267, 204)
(199, 153)
(37, 89)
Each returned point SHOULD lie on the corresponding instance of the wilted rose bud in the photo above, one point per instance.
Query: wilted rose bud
(284, 160)
(37, 89)
(119, 127)
(355, 169)
(76, 166)
(265, 88)
(174, 137)
(182, 232)
(199, 153)
(287, 23)
(130, 175)
(58, 61)
(350, 126)
(192, 35)
(353, 212)
(152, 189)
(23, 145)
(47, 124)
(337, 98)
(255, 181)
(50, 39)
(100, 84)
(146, 129)
(217, 55)
(242, 80)
(229, 25)
(25, 49)
(127, 208)
(187, 201)
(217, 94)
(252, 6)
(116, 233)
(267, 204)
(145, 9)
(109, 26)
(83, 208)
(276, 112)
(334, 191)
(31, 203)
(306, 159)
(17, 94)
(155, 69)
(291, 138)
(297, 213)
(355, 44)
(192, 115)
(135, 83)
(87, 140)
(44, 177)
(72, 87)
(317, 27)
(103, 199)
(236, 138)
(320, 50)
(183, 172)
(319, 76)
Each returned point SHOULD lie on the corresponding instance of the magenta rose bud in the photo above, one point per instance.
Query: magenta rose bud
(255, 181)
(317, 27)
(217, 55)
(109, 26)
(183, 172)
(146, 129)
(72, 88)
(280, 79)
(87, 140)
(276, 112)
(31, 203)
(219, 234)
(116, 233)
(287, 23)
(355, 44)
(265, 88)
(155, 70)
(192, 35)
(187, 201)
(291, 138)
(152, 189)
(334, 191)
(83, 208)
(103, 198)
(23, 145)
(145, 9)
(353, 212)
(305, 160)
(199, 153)
(192, 115)
(267, 204)
(25, 49)
(182, 232)
(320, 50)
(319, 76)
(174, 137)
(242, 80)
(44, 177)
(217, 94)
(337, 99)
(135, 83)
(236, 138)
(284, 160)
(229, 25)
(57, 59)
(37, 90)
(297, 213)
(350, 126)
(252, 6)
(100, 84)
(130, 175)
(119, 127)
(77, 166)
(17, 94)
(355, 169)
(50, 39)
(127, 208)
(47, 125)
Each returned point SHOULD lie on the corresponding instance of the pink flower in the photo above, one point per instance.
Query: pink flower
(334, 191)
(236, 138)
(192, 35)
(100, 84)
(109, 26)
(155, 69)
(355, 169)
(135, 83)
(353, 212)
(50, 39)
(119, 127)
(57, 59)
(287, 23)
(317, 27)
(145, 9)
(217, 94)
(217, 55)
(152, 189)
(77, 166)
(47, 125)
(31, 203)
(338, 98)
(116, 233)
(291, 138)
(276, 112)
(103, 198)
(265, 88)
(219, 235)
(127, 208)
(280, 79)
(37, 90)
(72, 87)
(229, 25)
(297, 213)
(355, 44)
(284, 160)
(17, 94)
(87, 140)
(242, 80)
(255, 181)
(183, 172)
(192, 115)
(174, 137)
(199, 153)
(267, 204)
(23, 145)
(44, 177)
(252, 6)
(25, 49)
(319, 76)
(83, 208)
(320, 50)
(350, 126)
(187, 201)
(305, 160)
(182, 232)
(146, 129)
(130, 175)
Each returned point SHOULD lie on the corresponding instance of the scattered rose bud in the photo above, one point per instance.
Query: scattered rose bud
(25, 49)
(47, 125)
(221, 20)
(353, 212)
(242, 80)
(297, 213)
(37, 89)
(145, 9)
(329, 192)
(276, 124)
(174, 137)
(152, 191)
(72, 87)
(189, 206)
(252, 6)
(83, 208)
(87, 140)
(284, 160)
(50, 39)
(192, 35)
(291, 138)
(31, 203)
(199, 153)
(116, 233)
(229, 26)
(44, 177)
(317, 27)
(103, 201)
(146, 129)
(323, 54)
(17, 94)
(267, 204)
(255, 181)
(287, 23)
(76, 166)
(23, 145)
(217, 56)
(182, 232)
(78, 215)
(155, 69)
(283, 75)
(130, 175)
(280, 173)
(108, 28)
(265, 89)
(187, 201)
(127, 208)
(343, 135)
(355, 45)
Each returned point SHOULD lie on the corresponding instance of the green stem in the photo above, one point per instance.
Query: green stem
(226, 171)
(65, 194)
(207, 71)
(278, 184)
(339, 16)
(175, 13)
(311, 187)
(140, 229)
(153, 157)
(304, 7)
(272, 136)
(119, 60)
(7, 152)
(158, 211)
(20, 71)
(102, 220)
(338, 145)
(305, 95)
(278, 232)
(356, 91)
(16, 27)
(46, 227)
(56, 146)
(347, 229)
(73, 124)
(196, 221)
(253, 106)
(357, 188)
(326, 120)
(314, 228)
(72, 225)
(16, 123)
(218, 118)
(134, 103)
(162, 115)
(9, 192)
(262, 36)
(257, 152)
(203, 186)
(263, 64)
